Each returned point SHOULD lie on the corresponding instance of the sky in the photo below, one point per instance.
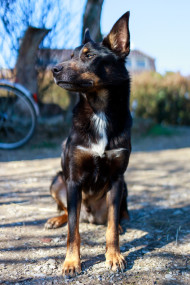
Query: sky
(160, 28)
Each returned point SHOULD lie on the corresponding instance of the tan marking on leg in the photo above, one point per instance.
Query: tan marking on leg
(57, 190)
(72, 263)
(56, 222)
(114, 259)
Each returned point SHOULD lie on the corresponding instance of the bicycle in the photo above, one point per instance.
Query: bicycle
(18, 115)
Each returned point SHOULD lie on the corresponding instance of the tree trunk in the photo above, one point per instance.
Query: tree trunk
(91, 19)
(26, 73)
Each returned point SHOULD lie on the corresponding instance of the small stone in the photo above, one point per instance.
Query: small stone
(39, 275)
(38, 268)
(46, 240)
(168, 276)
(56, 240)
(49, 272)
(51, 263)
(51, 260)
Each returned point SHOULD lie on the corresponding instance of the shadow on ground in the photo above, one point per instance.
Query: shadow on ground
(155, 242)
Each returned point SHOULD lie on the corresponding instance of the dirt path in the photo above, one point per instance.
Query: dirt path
(156, 242)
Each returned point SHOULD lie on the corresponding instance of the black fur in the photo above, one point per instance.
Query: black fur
(96, 153)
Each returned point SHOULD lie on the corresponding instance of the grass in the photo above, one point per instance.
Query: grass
(161, 130)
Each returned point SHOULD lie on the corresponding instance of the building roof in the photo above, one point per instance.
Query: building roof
(136, 52)
(135, 56)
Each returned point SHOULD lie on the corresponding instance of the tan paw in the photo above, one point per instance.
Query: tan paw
(56, 222)
(115, 261)
(71, 267)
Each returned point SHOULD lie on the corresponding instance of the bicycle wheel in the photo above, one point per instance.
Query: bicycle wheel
(17, 118)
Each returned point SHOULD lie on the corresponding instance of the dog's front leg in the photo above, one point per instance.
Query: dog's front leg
(114, 259)
(72, 264)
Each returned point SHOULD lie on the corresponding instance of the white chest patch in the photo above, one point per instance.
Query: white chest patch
(100, 124)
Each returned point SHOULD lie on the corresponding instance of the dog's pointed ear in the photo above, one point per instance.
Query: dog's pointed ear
(87, 37)
(118, 40)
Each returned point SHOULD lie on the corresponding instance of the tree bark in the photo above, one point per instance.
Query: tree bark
(91, 19)
(26, 73)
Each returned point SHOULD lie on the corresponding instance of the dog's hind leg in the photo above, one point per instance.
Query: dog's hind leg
(56, 222)
(58, 192)
(124, 213)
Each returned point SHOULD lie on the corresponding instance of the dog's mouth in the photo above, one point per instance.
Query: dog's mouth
(77, 86)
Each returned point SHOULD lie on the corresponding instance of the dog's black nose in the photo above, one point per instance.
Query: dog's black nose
(56, 69)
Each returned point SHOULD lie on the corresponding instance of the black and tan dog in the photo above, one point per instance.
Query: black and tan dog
(95, 156)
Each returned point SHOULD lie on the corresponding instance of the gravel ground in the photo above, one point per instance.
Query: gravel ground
(155, 243)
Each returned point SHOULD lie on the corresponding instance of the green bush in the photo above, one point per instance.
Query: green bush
(161, 98)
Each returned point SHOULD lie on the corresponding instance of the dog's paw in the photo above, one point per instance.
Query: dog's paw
(115, 261)
(55, 223)
(71, 267)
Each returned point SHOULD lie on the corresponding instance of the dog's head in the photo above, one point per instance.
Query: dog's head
(96, 65)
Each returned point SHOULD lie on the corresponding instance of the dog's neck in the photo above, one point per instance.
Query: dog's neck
(97, 100)
(111, 100)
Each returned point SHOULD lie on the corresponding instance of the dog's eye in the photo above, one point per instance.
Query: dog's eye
(90, 55)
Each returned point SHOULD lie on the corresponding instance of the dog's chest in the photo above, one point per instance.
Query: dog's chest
(96, 145)
(92, 162)
(100, 124)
